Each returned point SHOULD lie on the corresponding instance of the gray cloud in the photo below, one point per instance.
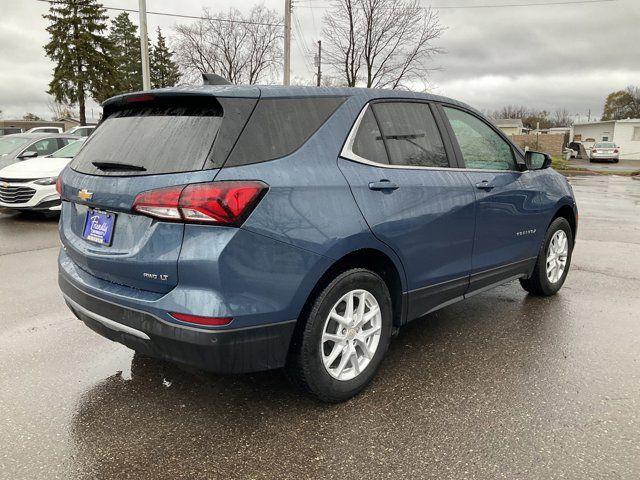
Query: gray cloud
(568, 56)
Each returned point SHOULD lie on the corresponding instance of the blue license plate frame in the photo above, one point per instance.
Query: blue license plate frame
(99, 226)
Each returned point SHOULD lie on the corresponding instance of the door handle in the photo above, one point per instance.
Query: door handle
(485, 185)
(383, 185)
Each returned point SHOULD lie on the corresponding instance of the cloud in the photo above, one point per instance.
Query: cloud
(544, 57)
(549, 57)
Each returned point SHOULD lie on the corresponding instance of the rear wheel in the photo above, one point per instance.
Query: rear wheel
(553, 260)
(344, 337)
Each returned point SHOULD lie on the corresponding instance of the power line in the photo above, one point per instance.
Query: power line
(166, 14)
(502, 5)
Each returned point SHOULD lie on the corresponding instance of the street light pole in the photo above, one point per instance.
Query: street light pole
(287, 42)
(144, 46)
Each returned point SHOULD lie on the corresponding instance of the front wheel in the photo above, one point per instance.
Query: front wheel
(345, 334)
(553, 261)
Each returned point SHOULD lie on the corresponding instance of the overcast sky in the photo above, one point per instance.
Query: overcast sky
(549, 56)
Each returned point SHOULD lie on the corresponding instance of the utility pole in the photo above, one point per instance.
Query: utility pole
(144, 45)
(287, 42)
(319, 61)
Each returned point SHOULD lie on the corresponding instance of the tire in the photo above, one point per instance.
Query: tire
(309, 350)
(542, 283)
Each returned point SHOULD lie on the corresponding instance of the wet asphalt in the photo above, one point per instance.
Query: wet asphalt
(502, 385)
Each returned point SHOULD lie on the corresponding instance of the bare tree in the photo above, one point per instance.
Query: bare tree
(562, 118)
(511, 111)
(241, 49)
(60, 110)
(381, 43)
(344, 48)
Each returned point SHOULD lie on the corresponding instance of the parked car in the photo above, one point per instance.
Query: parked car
(45, 130)
(9, 130)
(604, 151)
(82, 131)
(31, 184)
(15, 148)
(239, 228)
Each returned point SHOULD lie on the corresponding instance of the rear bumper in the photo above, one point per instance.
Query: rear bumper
(604, 156)
(241, 350)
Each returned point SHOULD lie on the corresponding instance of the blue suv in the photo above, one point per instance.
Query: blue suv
(243, 228)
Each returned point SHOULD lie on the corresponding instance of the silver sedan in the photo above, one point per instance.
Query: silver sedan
(604, 151)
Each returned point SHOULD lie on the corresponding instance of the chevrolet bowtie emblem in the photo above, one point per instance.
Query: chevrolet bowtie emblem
(85, 195)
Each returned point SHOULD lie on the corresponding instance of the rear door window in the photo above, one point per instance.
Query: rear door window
(162, 138)
(279, 126)
(411, 134)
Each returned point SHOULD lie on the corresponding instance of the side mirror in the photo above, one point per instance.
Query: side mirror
(536, 160)
(28, 154)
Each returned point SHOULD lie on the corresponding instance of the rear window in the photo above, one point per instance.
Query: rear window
(279, 126)
(160, 137)
(605, 145)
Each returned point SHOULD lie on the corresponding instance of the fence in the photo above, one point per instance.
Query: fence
(548, 143)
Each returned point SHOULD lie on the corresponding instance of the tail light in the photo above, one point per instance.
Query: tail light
(218, 203)
(594, 151)
(204, 321)
(615, 150)
(59, 186)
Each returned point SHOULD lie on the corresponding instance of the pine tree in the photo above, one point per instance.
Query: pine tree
(125, 55)
(79, 50)
(164, 71)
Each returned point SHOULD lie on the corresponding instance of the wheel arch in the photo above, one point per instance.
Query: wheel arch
(569, 213)
(372, 259)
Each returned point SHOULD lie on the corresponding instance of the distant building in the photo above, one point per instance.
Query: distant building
(559, 130)
(510, 126)
(624, 133)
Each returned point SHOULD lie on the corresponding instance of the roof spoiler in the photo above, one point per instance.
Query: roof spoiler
(214, 79)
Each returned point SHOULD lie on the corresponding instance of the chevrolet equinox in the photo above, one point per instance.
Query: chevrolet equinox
(245, 228)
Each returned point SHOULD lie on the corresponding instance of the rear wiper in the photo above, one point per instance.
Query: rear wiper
(122, 167)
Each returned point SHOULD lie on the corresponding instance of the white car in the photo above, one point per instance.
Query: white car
(45, 130)
(82, 131)
(31, 184)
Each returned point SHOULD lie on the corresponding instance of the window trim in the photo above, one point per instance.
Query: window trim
(347, 149)
(517, 156)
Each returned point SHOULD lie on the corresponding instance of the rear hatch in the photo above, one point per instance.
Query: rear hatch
(145, 142)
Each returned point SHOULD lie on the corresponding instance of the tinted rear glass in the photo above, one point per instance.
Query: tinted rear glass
(279, 126)
(411, 134)
(162, 138)
(605, 145)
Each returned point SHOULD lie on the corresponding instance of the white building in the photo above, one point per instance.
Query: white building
(509, 126)
(624, 133)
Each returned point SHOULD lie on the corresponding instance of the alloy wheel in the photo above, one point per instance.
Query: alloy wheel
(351, 335)
(557, 254)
